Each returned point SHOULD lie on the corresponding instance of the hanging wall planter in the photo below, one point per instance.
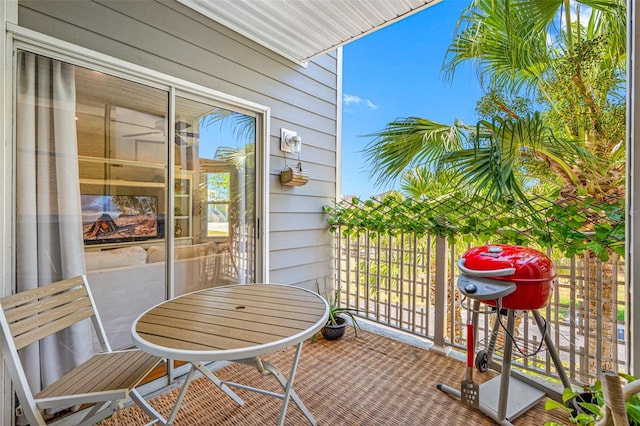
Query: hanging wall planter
(294, 176)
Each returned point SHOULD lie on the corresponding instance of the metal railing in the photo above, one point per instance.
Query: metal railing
(409, 283)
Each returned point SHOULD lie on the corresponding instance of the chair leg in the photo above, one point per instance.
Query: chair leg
(27, 407)
(99, 412)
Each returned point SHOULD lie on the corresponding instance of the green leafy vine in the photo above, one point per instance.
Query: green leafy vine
(570, 226)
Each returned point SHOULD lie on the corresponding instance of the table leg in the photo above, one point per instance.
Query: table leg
(181, 395)
(288, 387)
(205, 371)
(226, 389)
(265, 368)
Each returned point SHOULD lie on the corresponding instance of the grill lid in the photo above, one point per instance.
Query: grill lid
(507, 262)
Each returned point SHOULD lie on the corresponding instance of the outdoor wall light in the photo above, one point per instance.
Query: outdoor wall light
(290, 141)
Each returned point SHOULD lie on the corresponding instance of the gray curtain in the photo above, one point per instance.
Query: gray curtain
(49, 243)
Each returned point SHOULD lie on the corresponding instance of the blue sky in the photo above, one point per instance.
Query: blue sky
(395, 72)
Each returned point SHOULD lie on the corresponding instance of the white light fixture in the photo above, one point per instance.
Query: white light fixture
(290, 141)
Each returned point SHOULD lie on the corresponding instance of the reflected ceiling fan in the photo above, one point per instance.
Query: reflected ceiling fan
(180, 129)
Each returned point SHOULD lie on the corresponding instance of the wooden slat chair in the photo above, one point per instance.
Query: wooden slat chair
(104, 381)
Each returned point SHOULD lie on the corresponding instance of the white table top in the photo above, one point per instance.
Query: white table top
(230, 323)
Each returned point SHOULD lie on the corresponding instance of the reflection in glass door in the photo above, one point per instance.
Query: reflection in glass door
(214, 196)
(216, 182)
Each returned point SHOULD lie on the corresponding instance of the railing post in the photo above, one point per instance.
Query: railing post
(440, 293)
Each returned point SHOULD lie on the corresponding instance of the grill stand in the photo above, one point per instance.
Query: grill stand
(494, 394)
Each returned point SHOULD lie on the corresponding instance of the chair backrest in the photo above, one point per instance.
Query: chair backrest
(34, 314)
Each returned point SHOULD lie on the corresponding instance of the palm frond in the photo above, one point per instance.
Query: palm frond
(242, 126)
(409, 142)
(501, 43)
(240, 158)
(422, 181)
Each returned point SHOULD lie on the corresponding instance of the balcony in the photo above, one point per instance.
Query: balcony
(404, 289)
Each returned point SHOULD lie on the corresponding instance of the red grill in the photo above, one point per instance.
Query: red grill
(493, 266)
(516, 278)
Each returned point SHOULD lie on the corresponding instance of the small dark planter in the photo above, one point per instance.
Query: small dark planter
(333, 332)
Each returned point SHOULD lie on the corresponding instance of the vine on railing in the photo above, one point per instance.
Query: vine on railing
(570, 225)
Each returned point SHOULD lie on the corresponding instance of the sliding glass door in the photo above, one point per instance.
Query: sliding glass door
(149, 193)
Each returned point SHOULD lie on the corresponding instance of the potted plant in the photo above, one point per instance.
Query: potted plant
(337, 320)
(588, 407)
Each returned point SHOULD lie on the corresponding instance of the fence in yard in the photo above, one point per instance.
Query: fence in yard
(408, 282)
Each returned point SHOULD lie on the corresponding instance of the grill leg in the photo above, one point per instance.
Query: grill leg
(552, 349)
(506, 367)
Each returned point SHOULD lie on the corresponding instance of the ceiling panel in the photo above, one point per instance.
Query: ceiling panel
(303, 29)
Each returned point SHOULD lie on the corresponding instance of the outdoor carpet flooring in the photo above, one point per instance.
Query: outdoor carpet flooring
(371, 380)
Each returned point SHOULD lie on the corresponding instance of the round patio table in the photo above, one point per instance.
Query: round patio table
(236, 323)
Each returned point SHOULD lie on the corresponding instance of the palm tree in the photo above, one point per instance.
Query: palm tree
(572, 67)
(242, 160)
